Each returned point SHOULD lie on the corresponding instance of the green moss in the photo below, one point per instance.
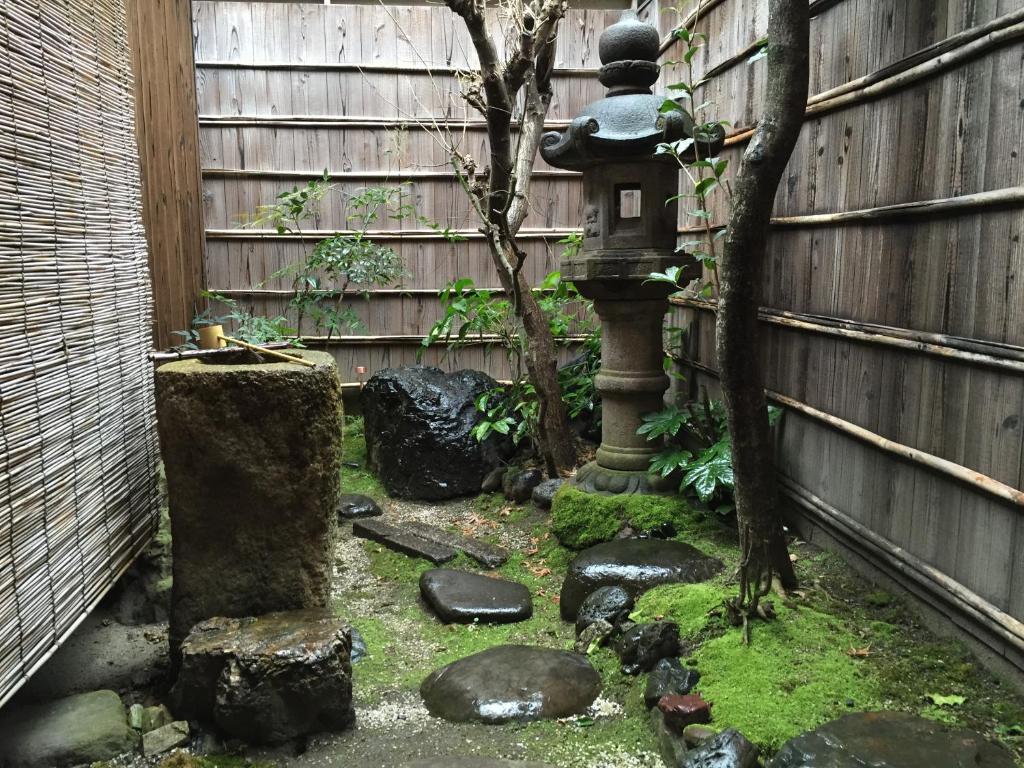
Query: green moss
(581, 519)
(686, 604)
(878, 598)
(357, 479)
(795, 675)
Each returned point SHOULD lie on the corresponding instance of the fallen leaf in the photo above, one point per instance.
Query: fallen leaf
(951, 700)
(859, 653)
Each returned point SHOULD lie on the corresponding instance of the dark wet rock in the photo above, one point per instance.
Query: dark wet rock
(636, 565)
(165, 738)
(492, 480)
(681, 711)
(399, 540)
(267, 679)
(643, 646)
(85, 728)
(359, 649)
(671, 745)
(595, 635)
(669, 677)
(697, 734)
(352, 506)
(664, 531)
(611, 604)
(419, 439)
(545, 492)
(462, 598)
(518, 486)
(488, 555)
(728, 749)
(890, 740)
(512, 683)
(471, 762)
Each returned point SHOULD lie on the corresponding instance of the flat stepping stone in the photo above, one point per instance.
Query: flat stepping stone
(488, 555)
(458, 597)
(471, 762)
(636, 565)
(512, 683)
(395, 538)
(352, 506)
(890, 740)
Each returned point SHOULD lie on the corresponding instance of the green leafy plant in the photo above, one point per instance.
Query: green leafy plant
(245, 326)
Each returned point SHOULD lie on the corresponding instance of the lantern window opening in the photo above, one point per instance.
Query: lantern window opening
(627, 201)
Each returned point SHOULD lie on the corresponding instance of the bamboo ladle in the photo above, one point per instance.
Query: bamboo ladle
(212, 337)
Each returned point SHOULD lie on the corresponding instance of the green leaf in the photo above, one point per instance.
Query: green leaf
(951, 700)
(667, 462)
(711, 470)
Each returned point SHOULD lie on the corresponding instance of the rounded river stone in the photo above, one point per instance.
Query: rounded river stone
(459, 597)
(611, 604)
(512, 683)
(636, 565)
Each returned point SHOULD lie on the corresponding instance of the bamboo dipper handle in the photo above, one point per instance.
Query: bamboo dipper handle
(269, 352)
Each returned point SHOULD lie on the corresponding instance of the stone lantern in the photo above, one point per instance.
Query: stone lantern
(629, 231)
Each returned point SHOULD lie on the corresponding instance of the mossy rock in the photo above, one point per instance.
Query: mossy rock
(580, 520)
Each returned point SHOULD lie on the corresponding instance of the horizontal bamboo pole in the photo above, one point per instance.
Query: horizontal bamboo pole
(284, 293)
(414, 339)
(1000, 356)
(167, 356)
(898, 560)
(374, 67)
(394, 176)
(311, 235)
(355, 121)
(951, 469)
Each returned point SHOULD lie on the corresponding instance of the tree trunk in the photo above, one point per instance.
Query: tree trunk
(762, 543)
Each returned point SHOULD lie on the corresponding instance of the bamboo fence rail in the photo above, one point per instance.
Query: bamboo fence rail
(77, 445)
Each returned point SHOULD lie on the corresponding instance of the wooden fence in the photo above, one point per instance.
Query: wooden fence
(77, 440)
(288, 90)
(893, 298)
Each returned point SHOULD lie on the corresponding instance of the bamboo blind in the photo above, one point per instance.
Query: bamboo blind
(893, 317)
(77, 444)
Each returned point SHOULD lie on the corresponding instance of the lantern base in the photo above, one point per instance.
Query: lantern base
(593, 478)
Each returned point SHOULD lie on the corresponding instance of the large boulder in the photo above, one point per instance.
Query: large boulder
(419, 439)
(268, 679)
(253, 458)
(85, 728)
(890, 740)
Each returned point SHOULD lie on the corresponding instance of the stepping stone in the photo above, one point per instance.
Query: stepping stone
(512, 683)
(395, 538)
(458, 597)
(636, 565)
(87, 728)
(488, 555)
(471, 762)
(352, 506)
(890, 740)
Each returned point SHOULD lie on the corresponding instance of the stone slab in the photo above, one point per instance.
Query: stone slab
(458, 597)
(165, 738)
(397, 539)
(488, 555)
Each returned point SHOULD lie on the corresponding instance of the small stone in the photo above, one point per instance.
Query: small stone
(85, 728)
(518, 486)
(728, 749)
(545, 492)
(671, 745)
(681, 711)
(135, 715)
(595, 635)
(463, 598)
(667, 677)
(696, 734)
(488, 555)
(492, 480)
(352, 506)
(512, 683)
(611, 604)
(395, 538)
(645, 645)
(359, 649)
(165, 738)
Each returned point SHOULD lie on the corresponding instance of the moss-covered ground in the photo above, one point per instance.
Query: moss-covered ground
(838, 644)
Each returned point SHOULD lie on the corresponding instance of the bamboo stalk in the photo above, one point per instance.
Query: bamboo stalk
(166, 356)
(375, 234)
(346, 121)
(701, 10)
(395, 176)
(269, 352)
(951, 469)
(376, 67)
(407, 339)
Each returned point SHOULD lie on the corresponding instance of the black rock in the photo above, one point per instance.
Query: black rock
(462, 598)
(669, 677)
(544, 493)
(492, 480)
(645, 645)
(611, 604)
(512, 683)
(518, 486)
(419, 439)
(636, 565)
(890, 740)
(352, 506)
(595, 634)
(671, 745)
(728, 749)
(359, 649)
